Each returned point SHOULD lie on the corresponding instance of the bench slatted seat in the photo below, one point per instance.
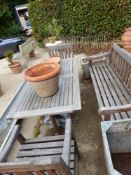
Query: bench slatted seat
(52, 155)
(111, 78)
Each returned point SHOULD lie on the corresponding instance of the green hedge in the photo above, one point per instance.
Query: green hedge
(78, 17)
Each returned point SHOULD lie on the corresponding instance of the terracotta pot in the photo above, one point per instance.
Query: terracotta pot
(16, 67)
(52, 59)
(44, 78)
(126, 39)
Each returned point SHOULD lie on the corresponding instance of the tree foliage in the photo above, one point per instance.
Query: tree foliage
(8, 27)
(78, 17)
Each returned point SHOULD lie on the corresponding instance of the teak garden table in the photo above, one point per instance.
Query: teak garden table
(28, 104)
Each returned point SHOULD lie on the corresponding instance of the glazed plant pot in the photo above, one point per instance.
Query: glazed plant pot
(44, 78)
(16, 67)
(126, 39)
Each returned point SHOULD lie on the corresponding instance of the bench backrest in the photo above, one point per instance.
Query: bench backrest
(39, 167)
(63, 51)
(27, 47)
(120, 60)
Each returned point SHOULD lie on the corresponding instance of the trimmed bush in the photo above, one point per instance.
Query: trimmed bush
(78, 17)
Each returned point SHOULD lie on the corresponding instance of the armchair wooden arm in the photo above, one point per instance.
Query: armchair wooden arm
(6, 149)
(114, 109)
(96, 56)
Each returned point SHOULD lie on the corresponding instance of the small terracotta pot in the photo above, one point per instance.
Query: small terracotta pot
(16, 67)
(126, 39)
(44, 78)
(52, 59)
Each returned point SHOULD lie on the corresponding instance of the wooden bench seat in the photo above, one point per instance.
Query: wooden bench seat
(42, 149)
(111, 78)
(52, 155)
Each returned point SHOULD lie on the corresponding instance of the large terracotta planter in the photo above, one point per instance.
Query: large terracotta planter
(16, 67)
(126, 39)
(44, 78)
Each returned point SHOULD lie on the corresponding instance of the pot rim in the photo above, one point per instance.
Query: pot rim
(54, 72)
(52, 59)
(16, 64)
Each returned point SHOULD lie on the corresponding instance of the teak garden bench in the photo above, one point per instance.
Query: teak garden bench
(52, 155)
(111, 76)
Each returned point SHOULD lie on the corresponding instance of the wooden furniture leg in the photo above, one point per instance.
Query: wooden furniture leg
(54, 123)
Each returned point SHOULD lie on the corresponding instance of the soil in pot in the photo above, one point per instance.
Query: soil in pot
(44, 78)
(16, 67)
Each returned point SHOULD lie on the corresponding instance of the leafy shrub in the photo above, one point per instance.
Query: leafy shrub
(41, 13)
(78, 17)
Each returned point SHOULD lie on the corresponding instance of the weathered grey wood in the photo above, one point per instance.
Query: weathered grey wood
(110, 168)
(114, 109)
(44, 139)
(37, 112)
(6, 149)
(112, 83)
(76, 88)
(72, 157)
(96, 57)
(67, 142)
(116, 139)
(43, 152)
(53, 153)
(124, 54)
(66, 100)
(62, 50)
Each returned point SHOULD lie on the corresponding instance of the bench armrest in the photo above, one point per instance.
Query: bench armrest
(114, 109)
(67, 141)
(97, 56)
(4, 153)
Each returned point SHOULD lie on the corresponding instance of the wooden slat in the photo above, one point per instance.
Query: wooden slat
(41, 112)
(6, 149)
(45, 139)
(76, 87)
(113, 90)
(98, 95)
(43, 152)
(106, 89)
(43, 145)
(72, 157)
(119, 83)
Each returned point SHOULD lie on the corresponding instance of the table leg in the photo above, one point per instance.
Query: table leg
(54, 123)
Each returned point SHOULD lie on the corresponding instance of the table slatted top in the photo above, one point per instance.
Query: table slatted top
(27, 103)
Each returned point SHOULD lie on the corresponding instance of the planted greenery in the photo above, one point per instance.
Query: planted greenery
(78, 17)
(9, 56)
